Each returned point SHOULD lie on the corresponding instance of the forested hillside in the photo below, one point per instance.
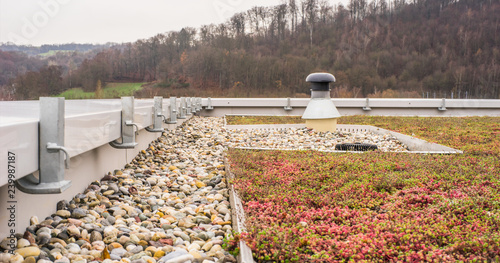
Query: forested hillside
(396, 48)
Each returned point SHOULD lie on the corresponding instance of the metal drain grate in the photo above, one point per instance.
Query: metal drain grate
(355, 147)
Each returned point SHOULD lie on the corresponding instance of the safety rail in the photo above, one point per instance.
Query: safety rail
(362, 106)
(74, 127)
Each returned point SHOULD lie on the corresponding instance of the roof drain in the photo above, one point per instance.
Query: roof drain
(362, 147)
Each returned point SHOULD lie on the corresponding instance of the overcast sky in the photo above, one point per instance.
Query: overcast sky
(38, 22)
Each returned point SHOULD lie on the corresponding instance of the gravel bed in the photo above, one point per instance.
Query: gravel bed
(170, 204)
(306, 139)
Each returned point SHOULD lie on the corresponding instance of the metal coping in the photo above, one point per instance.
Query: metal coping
(394, 103)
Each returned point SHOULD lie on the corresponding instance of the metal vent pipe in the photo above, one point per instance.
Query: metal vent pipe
(321, 114)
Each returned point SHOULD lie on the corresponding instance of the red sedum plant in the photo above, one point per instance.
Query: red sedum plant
(305, 206)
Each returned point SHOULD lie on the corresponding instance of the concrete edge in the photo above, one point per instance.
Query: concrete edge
(238, 217)
(336, 151)
(251, 115)
(415, 145)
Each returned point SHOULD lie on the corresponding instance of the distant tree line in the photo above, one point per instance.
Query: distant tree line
(397, 48)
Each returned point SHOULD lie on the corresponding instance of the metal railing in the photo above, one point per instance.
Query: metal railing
(48, 132)
(365, 106)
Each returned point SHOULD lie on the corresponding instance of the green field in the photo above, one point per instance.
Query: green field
(110, 91)
(54, 52)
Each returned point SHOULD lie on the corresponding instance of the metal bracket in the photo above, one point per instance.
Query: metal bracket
(288, 106)
(128, 134)
(188, 105)
(193, 105)
(158, 116)
(198, 104)
(50, 179)
(209, 104)
(367, 105)
(173, 111)
(53, 147)
(182, 108)
(443, 105)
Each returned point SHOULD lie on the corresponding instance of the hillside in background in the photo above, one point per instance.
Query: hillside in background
(381, 48)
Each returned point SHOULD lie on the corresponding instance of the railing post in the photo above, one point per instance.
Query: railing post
(192, 105)
(182, 108)
(173, 111)
(209, 104)
(128, 133)
(198, 104)
(158, 116)
(51, 151)
(367, 105)
(443, 105)
(288, 106)
(188, 105)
